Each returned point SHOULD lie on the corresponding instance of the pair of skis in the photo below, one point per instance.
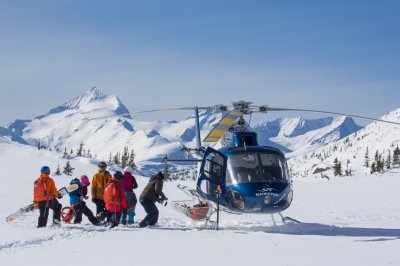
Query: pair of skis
(31, 207)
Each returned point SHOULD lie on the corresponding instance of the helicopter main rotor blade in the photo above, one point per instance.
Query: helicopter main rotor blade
(173, 109)
(327, 112)
(110, 116)
(223, 126)
(217, 107)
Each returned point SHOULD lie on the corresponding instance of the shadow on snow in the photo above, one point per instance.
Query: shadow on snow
(316, 229)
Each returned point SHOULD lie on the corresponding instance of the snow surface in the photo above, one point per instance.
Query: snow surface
(346, 221)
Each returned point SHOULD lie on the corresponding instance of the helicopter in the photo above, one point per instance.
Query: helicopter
(241, 175)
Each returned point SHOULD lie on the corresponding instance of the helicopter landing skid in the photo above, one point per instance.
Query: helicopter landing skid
(287, 218)
(230, 211)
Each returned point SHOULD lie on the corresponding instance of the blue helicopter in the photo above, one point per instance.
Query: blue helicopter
(241, 175)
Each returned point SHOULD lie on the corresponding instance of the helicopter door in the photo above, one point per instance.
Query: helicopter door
(212, 173)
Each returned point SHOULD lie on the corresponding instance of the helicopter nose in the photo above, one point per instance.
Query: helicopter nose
(237, 199)
(267, 200)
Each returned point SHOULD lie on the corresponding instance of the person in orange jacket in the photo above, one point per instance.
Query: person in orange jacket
(99, 182)
(114, 197)
(45, 194)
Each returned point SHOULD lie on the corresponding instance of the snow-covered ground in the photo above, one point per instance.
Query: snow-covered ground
(345, 221)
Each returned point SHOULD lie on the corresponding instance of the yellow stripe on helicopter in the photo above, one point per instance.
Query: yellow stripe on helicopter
(226, 121)
(223, 126)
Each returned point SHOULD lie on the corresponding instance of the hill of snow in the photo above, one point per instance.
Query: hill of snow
(340, 220)
(377, 137)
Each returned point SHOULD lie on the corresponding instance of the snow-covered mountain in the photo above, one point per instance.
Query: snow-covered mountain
(299, 135)
(8, 135)
(376, 137)
(103, 124)
(72, 123)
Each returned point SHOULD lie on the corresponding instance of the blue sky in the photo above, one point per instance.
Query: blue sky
(333, 55)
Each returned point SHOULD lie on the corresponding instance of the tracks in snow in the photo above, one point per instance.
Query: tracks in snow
(59, 234)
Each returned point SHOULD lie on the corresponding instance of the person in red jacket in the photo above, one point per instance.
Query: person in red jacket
(45, 194)
(114, 197)
(130, 184)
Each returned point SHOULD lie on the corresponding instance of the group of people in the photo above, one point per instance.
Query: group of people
(113, 196)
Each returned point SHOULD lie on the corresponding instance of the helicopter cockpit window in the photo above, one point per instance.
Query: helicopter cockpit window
(256, 167)
(244, 168)
(213, 167)
(274, 167)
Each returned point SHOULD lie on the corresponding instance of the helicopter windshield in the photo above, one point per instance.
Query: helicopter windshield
(256, 167)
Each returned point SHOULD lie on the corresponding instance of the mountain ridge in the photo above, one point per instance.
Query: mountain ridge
(104, 125)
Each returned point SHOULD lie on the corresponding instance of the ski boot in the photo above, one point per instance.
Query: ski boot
(131, 215)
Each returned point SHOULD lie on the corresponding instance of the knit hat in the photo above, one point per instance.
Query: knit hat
(118, 175)
(161, 175)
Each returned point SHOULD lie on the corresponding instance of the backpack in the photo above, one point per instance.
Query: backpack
(40, 190)
(112, 193)
(75, 181)
(75, 196)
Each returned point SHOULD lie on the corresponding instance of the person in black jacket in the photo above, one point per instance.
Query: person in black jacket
(152, 193)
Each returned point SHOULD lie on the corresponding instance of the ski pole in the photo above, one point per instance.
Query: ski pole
(46, 210)
(218, 199)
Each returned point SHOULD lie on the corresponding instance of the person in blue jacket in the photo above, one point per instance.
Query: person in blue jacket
(76, 199)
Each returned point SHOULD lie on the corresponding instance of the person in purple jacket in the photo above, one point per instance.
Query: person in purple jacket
(129, 183)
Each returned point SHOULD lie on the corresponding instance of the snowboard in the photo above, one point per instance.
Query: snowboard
(31, 207)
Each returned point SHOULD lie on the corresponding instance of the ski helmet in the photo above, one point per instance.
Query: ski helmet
(102, 165)
(118, 175)
(128, 169)
(45, 170)
(84, 180)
